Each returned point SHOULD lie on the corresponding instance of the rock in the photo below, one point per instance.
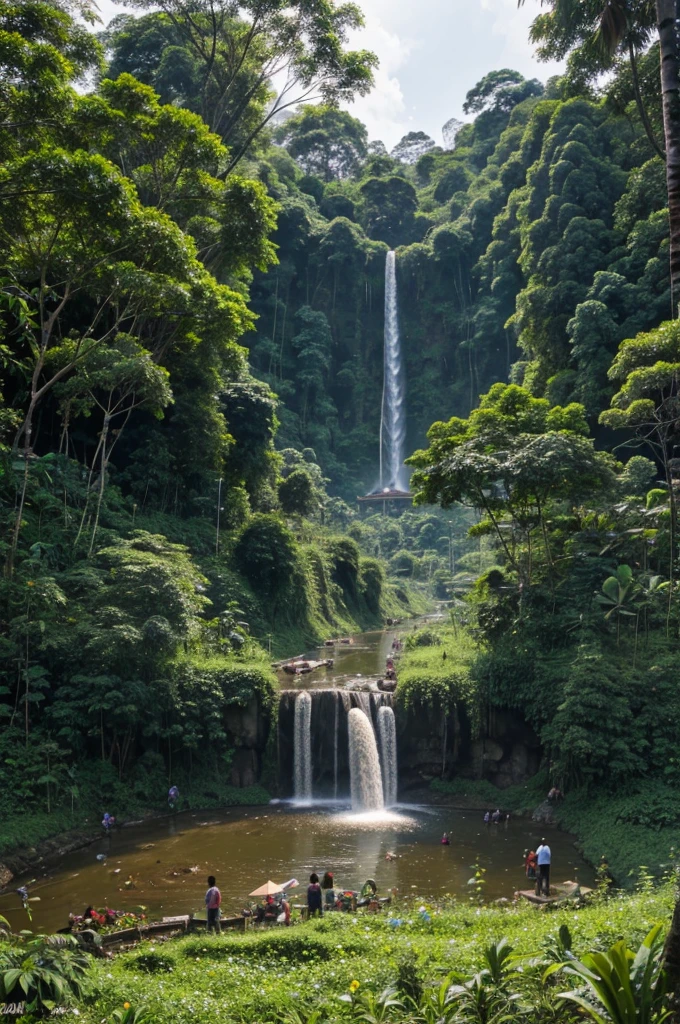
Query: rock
(6, 876)
(544, 814)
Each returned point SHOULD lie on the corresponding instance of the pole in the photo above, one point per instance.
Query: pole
(219, 502)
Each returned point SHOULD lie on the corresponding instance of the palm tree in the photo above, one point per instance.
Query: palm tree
(627, 26)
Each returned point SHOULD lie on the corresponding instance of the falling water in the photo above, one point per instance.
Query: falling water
(392, 427)
(387, 733)
(335, 745)
(364, 764)
(303, 747)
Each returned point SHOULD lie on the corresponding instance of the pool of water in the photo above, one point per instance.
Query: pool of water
(245, 847)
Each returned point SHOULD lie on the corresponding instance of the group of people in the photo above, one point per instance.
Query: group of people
(494, 817)
(537, 867)
(322, 896)
(325, 895)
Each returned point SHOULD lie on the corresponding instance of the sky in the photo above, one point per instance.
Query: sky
(431, 52)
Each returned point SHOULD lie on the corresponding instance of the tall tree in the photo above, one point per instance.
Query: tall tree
(236, 53)
(325, 141)
(596, 27)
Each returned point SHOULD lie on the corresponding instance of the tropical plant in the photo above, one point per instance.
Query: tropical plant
(628, 987)
(621, 596)
(45, 972)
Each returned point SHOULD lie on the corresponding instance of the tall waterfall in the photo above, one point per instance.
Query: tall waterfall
(392, 425)
(387, 734)
(364, 764)
(303, 746)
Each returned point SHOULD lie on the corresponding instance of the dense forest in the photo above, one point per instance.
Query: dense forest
(191, 306)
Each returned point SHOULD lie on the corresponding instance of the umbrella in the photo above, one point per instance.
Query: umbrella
(268, 889)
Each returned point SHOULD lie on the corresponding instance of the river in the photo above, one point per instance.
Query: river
(246, 847)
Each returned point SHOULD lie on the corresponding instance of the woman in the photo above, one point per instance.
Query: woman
(328, 890)
(314, 901)
(530, 864)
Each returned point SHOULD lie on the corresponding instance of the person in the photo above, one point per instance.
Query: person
(555, 795)
(367, 894)
(487, 818)
(213, 902)
(543, 857)
(496, 816)
(108, 821)
(445, 839)
(314, 901)
(530, 862)
(328, 887)
(173, 797)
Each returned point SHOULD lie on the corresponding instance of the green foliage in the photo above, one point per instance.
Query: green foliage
(438, 675)
(627, 985)
(466, 959)
(45, 972)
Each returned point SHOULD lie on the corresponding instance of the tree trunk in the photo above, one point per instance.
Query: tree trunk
(666, 15)
(671, 951)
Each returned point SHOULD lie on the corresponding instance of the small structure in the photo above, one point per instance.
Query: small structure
(559, 892)
(387, 499)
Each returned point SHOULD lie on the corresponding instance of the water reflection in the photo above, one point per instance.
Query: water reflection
(167, 861)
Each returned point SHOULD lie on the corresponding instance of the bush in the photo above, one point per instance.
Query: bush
(423, 638)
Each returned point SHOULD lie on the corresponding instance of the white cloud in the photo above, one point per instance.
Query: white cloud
(383, 111)
(512, 23)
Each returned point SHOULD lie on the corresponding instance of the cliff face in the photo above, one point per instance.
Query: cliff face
(429, 744)
(248, 728)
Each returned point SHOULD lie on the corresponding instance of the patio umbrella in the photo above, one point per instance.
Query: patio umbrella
(268, 889)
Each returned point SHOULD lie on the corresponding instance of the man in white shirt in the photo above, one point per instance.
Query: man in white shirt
(543, 882)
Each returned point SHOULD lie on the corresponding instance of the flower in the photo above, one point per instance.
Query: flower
(353, 986)
(126, 1006)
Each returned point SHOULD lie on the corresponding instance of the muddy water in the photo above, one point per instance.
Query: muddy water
(245, 847)
(361, 662)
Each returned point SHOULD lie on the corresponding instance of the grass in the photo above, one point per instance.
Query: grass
(437, 674)
(254, 978)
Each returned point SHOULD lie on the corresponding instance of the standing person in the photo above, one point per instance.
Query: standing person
(173, 797)
(543, 856)
(328, 886)
(314, 901)
(213, 902)
(530, 861)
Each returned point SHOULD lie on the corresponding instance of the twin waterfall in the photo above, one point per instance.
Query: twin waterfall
(392, 414)
(372, 758)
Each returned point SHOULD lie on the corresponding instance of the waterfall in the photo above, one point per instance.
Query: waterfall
(364, 764)
(387, 733)
(303, 746)
(335, 745)
(392, 426)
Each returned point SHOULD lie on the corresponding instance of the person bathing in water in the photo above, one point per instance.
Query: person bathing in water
(445, 839)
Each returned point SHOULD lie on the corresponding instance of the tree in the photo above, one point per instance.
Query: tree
(297, 494)
(389, 207)
(265, 553)
(231, 57)
(325, 141)
(450, 131)
(411, 147)
(647, 370)
(510, 459)
(500, 91)
(593, 29)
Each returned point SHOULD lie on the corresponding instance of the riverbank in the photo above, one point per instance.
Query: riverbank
(288, 973)
(629, 830)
